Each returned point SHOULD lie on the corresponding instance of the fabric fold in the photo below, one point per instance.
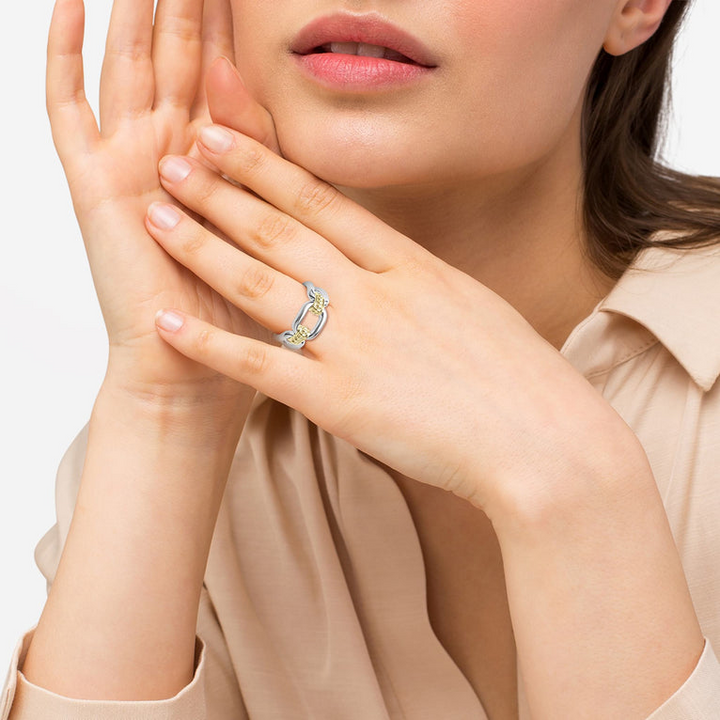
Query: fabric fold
(315, 601)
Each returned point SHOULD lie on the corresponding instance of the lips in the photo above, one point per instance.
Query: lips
(366, 35)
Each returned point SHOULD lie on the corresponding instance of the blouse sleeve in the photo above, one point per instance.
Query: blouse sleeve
(212, 694)
(24, 701)
(699, 696)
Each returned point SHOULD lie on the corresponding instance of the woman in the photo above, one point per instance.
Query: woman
(455, 490)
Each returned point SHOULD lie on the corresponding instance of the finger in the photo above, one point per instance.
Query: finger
(255, 226)
(127, 85)
(73, 122)
(217, 41)
(268, 296)
(217, 31)
(355, 231)
(177, 52)
(275, 371)
(231, 104)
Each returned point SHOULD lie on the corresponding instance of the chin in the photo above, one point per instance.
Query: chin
(353, 156)
(344, 174)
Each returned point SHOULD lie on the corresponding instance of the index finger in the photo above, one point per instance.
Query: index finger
(356, 232)
(217, 41)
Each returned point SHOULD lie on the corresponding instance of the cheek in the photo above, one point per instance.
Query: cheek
(512, 78)
(258, 44)
(527, 65)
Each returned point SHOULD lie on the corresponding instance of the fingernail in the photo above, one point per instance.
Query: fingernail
(168, 320)
(216, 139)
(175, 169)
(166, 217)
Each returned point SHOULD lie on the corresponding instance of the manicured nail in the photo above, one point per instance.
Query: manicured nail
(175, 169)
(164, 216)
(216, 139)
(168, 320)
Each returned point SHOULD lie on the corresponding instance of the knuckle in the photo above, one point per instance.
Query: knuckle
(204, 191)
(254, 359)
(192, 245)
(70, 99)
(252, 159)
(315, 198)
(414, 264)
(275, 229)
(180, 28)
(132, 49)
(204, 342)
(255, 283)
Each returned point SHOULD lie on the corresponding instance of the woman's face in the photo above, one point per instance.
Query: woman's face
(505, 90)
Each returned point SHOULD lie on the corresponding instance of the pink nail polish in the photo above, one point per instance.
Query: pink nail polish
(175, 169)
(216, 139)
(163, 216)
(168, 320)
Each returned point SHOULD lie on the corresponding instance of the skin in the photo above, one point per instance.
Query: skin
(482, 231)
(520, 103)
(527, 169)
(495, 197)
(528, 476)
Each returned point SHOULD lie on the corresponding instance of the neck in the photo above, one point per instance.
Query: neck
(520, 235)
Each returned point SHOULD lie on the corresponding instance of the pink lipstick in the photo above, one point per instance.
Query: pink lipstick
(360, 53)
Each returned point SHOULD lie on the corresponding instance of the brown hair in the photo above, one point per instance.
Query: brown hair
(629, 195)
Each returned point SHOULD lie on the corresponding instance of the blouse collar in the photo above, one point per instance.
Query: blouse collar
(667, 295)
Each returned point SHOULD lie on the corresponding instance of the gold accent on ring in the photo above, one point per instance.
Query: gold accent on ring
(301, 335)
(318, 305)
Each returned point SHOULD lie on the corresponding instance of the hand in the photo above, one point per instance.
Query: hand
(152, 102)
(419, 365)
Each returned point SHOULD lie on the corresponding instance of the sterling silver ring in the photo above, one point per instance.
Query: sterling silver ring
(300, 334)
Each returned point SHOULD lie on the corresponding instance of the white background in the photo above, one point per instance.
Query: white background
(52, 340)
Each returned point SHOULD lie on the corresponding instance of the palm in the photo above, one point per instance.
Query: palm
(144, 277)
(152, 105)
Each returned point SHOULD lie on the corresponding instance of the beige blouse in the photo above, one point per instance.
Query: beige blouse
(314, 601)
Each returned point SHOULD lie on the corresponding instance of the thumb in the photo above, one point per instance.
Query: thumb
(231, 104)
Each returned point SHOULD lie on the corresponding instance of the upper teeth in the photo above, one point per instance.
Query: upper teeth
(376, 51)
(351, 48)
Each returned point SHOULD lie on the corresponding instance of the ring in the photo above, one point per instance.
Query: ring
(300, 334)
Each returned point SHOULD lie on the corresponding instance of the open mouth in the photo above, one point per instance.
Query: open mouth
(363, 50)
(367, 36)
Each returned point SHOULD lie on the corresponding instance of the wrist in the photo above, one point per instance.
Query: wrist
(212, 410)
(204, 437)
(167, 380)
(582, 478)
(168, 441)
(594, 582)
